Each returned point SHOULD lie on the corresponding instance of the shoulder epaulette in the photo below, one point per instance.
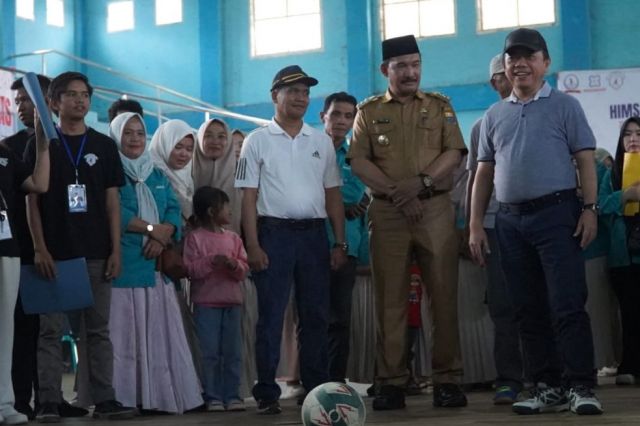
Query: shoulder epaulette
(368, 100)
(438, 95)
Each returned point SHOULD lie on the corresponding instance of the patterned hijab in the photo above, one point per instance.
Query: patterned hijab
(164, 140)
(138, 170)
(219, 173)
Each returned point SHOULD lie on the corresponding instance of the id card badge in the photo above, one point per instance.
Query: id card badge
(77, 198)
(5, 228)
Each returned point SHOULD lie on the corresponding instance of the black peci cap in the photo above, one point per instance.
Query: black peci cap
(527, 38)
(398, 46)
(291, 75)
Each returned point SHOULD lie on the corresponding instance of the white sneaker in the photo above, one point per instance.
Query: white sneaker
(584, 401)
(543, 399)
(607, 371)
(293, 391)
(214, 406)
(625, 379)
(12, 417)
(236, 405)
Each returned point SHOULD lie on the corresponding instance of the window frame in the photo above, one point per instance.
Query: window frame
(163, 24)
(479, 20)
(31, 9)
(49, 22)
(383, 34)
(133, 16)
(252, 36)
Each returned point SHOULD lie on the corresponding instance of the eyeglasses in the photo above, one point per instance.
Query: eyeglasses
(76, 95)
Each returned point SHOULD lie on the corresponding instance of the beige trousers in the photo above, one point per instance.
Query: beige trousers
(433, 244)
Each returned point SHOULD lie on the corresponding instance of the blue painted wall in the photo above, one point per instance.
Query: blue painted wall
(615, 34)
(208, 55)
(168, 55)
(23, 35)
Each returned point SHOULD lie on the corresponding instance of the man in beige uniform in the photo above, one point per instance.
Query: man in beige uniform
(405, 146)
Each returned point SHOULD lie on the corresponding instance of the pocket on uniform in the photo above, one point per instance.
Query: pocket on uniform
(430, 132)
(382, 139)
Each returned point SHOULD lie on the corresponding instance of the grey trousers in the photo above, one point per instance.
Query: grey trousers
(100, 350)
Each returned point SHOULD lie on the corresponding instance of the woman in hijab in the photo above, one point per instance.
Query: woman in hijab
(214, 164)
(171, 150)
(153, 367)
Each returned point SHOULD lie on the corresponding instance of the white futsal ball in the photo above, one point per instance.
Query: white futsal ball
(333, 404)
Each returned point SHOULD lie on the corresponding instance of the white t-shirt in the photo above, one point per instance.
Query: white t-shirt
(291, 174)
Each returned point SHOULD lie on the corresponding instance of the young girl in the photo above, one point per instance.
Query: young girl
(217, 264)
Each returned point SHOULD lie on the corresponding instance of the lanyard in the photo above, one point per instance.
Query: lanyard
(75, 163)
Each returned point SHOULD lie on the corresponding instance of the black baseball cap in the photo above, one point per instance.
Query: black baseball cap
(527, 38)
(291, 75)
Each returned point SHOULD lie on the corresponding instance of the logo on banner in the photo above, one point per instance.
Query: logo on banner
(616, 80)
(594, 80)
(571, 82)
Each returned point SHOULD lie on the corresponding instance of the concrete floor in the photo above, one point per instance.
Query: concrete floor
(621, 404)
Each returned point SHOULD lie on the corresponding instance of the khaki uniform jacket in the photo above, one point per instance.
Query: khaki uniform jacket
(402, 140)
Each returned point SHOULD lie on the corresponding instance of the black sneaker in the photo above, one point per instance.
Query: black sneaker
(301, 398)
(113, 410)
(48, 413)
(448, 395)
(269, 407)
(389, 398)
(67, 410)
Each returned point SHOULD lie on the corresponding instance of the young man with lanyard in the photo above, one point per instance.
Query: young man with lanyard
(78, 217)
(294, 168)
(15, 176)
(337, 115)
(527, 143)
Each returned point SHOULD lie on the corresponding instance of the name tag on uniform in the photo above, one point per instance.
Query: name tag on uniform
(77, 198)
(5, 228)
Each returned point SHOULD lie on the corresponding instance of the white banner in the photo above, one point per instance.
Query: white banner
(8, 116)
(608, 97)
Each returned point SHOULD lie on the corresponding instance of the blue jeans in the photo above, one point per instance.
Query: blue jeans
(298, 255)
(218, 331)
(544, 267)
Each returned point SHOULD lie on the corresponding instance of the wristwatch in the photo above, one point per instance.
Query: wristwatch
(149, 228)
(427, 181)
(594, 207)
(343, 246)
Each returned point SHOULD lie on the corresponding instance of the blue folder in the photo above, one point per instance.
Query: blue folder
(70, 290)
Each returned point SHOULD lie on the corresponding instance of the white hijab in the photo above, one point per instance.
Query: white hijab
(138, 170)
(164, 140)
(218, 173)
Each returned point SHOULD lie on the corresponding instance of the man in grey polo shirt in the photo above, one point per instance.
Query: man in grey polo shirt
(529, 140)
(506, 347)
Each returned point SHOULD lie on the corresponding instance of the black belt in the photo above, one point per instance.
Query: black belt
(290, 223)
(423, 195)
(539, 203)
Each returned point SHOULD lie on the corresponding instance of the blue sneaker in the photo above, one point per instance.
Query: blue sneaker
(505, 395)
